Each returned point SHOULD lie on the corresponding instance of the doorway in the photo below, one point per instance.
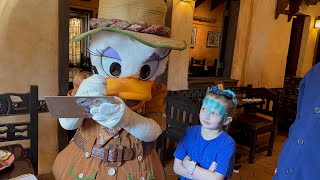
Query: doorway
(317, 50)
(294, 45)
(229, 28)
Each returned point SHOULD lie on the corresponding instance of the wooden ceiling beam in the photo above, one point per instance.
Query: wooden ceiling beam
(198, 2)
(215, 4)
(294, 6)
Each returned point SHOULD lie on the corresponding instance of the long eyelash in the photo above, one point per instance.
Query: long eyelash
(93, 53)
(165, 53)
(158, 55)
(98, 53)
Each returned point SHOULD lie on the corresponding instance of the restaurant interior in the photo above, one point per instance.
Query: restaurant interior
(260, 49)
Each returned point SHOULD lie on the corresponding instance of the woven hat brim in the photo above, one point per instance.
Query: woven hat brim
(147, 39)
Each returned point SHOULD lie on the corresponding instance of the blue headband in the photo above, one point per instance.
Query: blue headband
(226, 93)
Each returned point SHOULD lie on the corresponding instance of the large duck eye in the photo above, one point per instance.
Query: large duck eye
(148, 69)
(111, 66)
(111, 62)
(115, 69)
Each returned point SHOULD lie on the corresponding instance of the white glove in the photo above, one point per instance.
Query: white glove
(107, 114)
(95, 85)
(119, 115)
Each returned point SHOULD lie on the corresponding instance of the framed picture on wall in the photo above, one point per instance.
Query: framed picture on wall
(213, 39)
(193, 37)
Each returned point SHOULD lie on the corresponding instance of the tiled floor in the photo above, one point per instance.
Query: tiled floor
(262, 169)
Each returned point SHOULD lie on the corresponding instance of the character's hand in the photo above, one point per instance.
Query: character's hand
(213, 166)
(107, 114)
(92, 86)
(95, 85)
(119, 115)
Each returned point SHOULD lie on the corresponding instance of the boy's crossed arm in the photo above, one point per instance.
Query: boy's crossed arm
(180, 167)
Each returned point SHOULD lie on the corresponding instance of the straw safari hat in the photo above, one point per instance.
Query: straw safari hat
(142, 20)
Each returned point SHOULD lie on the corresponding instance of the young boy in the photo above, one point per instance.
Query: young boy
(206, 152)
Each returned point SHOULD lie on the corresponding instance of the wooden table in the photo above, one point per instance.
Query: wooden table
(242, 103)
(20, 165)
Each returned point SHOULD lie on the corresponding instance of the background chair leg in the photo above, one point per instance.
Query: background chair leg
(163, 149)
(271, 142)
(252, 148)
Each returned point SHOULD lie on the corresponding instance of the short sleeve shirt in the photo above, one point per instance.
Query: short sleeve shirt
(205, 152)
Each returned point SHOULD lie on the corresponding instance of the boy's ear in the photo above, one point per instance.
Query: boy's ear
(227, 121)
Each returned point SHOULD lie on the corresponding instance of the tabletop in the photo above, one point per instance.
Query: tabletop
(20, 164)
(249, 102)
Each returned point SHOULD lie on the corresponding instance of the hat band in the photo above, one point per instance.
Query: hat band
(141, 27)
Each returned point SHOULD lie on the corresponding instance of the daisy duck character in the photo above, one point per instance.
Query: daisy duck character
(129, 47)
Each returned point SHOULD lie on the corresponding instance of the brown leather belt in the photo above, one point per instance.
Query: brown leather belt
(112, 154)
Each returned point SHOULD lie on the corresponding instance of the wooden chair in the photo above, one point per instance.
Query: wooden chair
(253, 125)
(181, 113)
(199, 62)
(18, 104)
(197, 66)
(195, 95)
(288, 102)
(239, 91)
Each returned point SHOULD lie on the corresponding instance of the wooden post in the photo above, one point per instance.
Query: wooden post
(181, 27)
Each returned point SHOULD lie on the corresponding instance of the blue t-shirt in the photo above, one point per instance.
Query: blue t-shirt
(300, 157)
(205, 152)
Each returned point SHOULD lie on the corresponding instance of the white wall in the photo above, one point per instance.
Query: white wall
(29, 55)
(181, 27)
(262, 44)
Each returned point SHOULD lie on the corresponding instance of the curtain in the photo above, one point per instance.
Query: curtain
(74, 47)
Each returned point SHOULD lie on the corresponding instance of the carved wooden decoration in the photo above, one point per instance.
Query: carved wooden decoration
(204, 19)
(12, 104)
(214, 3)
(281, 6)
(14, 131)
(311, 2)
(294, 6)
(20, 103)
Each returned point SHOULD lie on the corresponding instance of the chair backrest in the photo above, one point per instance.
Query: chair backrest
(181, 112)
(195, 95)
(271, 106)
(239, 91)
(21, 103)
(198, 61)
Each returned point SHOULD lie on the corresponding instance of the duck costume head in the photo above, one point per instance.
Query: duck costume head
(129, 48)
